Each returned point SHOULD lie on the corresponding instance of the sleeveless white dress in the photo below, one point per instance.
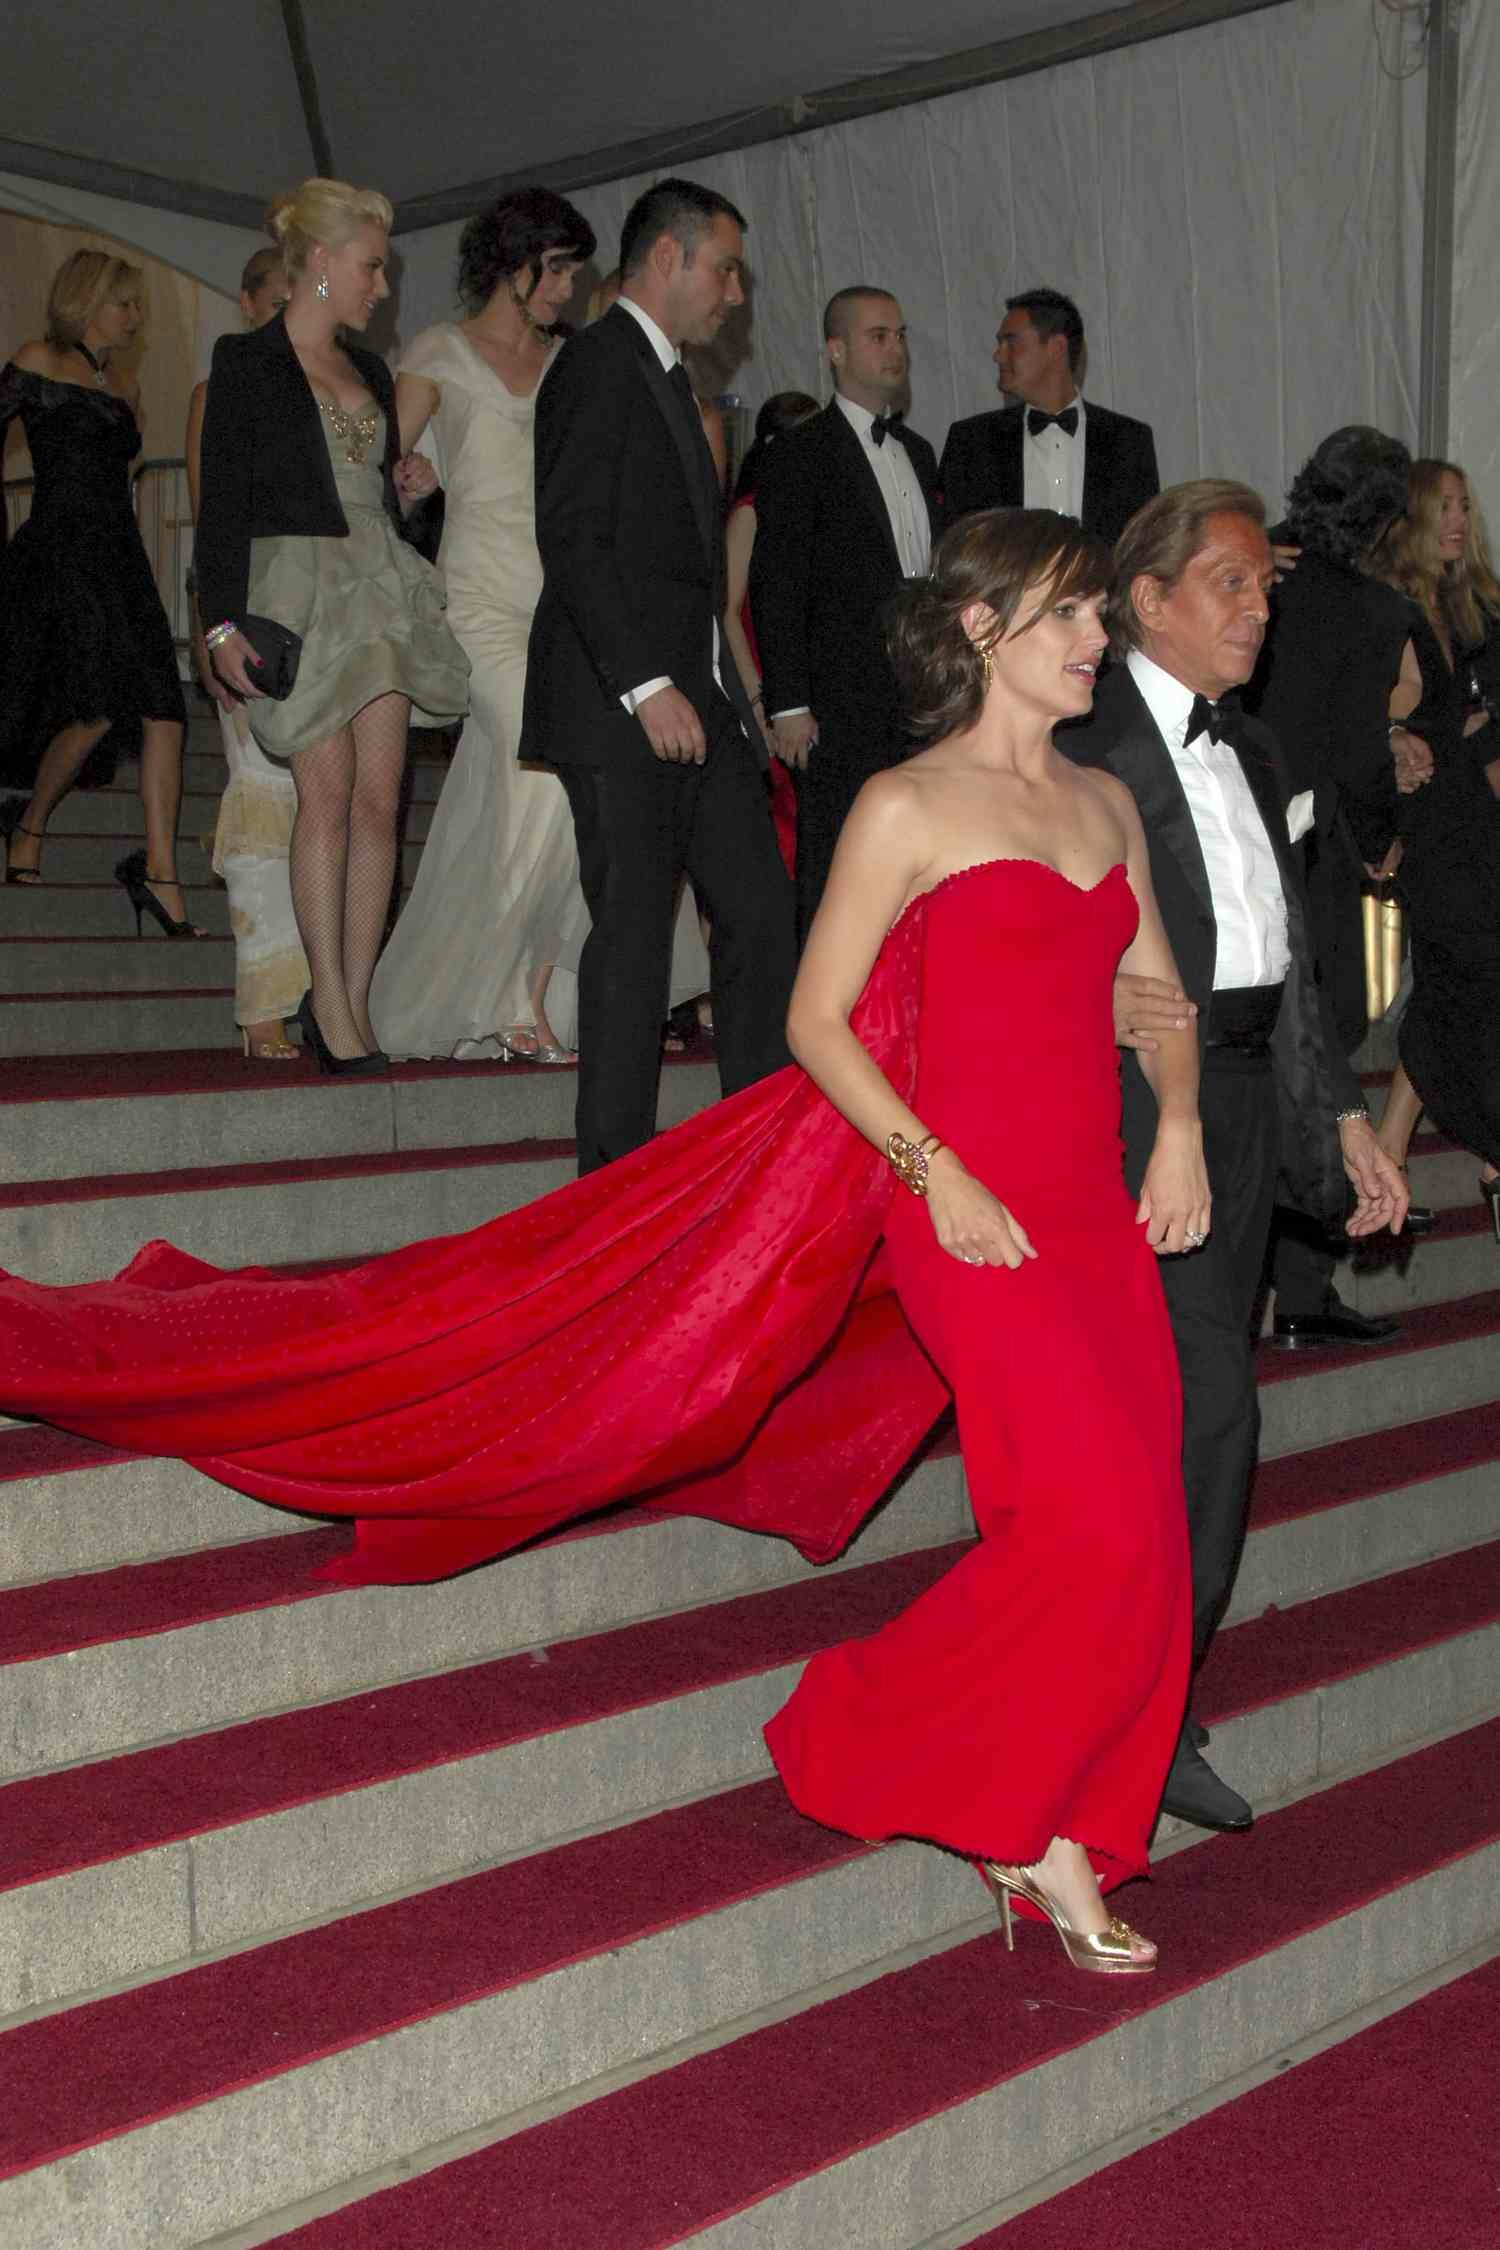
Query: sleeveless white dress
(497, 891)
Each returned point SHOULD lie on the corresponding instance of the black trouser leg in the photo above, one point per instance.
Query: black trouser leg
(826, 790)
(742, 884)
(633, 823)
(1210, 1297)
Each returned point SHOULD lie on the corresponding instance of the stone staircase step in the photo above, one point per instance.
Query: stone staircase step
(109, 1661)
(62, 1119)
(914, 2100)
(117, 811)
(93, 1023)
(1459, 1258)
(102, 910)
(1445, 1358)
(32, 967)
(231, 1836)
(90, 856)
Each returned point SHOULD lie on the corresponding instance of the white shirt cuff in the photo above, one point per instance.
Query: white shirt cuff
(795, 711)
(1299, 815)
(634, 697)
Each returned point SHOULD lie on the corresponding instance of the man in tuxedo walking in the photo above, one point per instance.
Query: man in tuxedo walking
(629, 694)
(1276, 1094)
(1048, 449)
(846, 508)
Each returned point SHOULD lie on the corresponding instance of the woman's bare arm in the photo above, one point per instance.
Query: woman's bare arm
(739, 541)
(882, 862)
(417, 400)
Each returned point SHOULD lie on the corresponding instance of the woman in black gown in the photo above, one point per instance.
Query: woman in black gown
(88, 671)
(1449, 828)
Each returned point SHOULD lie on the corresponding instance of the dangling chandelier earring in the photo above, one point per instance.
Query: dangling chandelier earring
(323, 287)
(988, 662)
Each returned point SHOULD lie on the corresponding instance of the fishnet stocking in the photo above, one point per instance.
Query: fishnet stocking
(343, 861)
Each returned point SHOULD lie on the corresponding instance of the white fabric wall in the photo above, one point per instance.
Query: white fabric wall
(1237, 211)
(1474, 425)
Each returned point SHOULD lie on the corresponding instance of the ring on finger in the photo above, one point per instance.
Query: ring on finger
(1193, 1239)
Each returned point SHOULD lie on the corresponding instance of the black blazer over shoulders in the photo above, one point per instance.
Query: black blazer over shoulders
(266, 469)
(1313, 1080)
(629, 526)
(823, 566)
(981, 467)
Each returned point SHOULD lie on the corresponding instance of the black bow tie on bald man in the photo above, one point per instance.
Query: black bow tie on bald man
(1038, 420)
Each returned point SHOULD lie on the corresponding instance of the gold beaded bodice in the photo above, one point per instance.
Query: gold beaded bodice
(354, 432)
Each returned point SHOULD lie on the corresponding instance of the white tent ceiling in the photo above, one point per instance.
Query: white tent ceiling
(210, 109)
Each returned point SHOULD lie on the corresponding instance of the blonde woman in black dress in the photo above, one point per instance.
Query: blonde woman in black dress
(87, 660)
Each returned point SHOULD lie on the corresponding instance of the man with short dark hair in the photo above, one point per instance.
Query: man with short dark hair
(628, 691)
(1048, 449)
(1276, 1095)
(846, 509)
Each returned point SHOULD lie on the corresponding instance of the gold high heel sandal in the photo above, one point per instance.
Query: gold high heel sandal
(1108, 1954)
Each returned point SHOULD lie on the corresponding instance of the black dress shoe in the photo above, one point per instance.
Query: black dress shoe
(1336, 1323)
(1195, 1793)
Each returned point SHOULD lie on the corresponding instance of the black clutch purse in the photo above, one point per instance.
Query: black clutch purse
(280, 652)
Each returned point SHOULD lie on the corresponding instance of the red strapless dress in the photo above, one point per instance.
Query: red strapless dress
(1037, 1690)
(712, 1326)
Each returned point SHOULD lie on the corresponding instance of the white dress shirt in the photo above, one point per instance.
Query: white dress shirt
(900, 489)
(1244, 882)
(670, 357)
(1052, 464)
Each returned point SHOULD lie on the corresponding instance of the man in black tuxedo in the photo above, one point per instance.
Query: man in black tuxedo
(628, 691)
(846, 508)
(1276, 1094)
(1048, 450)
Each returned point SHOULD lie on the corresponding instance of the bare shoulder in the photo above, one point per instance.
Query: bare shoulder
(1113, 798)
(36, 358)
(890, 818)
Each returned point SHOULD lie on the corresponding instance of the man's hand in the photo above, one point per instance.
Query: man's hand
(1413, 759)
(1145, 1006)
(1377, 1180)
(673, 728)
(792, 737)
(1286, 560)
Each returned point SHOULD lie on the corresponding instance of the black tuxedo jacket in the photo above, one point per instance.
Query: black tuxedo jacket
(630, 529)
(822, 568)
(982, 468)
(266, 468)
(1313, 1080)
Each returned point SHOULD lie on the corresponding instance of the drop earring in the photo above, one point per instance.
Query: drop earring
(323, 286)
(988, 663)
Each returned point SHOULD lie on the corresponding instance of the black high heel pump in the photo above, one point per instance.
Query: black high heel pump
(130, 873)
(11, 824)
(330, 1064)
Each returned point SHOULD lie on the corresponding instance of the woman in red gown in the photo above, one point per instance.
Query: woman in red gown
(710, 1326)
(1022, 1710)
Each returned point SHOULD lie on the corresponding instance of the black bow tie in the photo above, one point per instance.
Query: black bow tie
(883, 426)
(1220, 721)
(1037, 421)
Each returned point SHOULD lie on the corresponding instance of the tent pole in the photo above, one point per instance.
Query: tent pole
(1436, 355)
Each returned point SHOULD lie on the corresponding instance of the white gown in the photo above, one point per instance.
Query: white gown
(497, 891)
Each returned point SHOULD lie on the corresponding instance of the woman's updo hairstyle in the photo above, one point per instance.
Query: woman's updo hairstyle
(512, 236)
(996, 557)
(329, 212)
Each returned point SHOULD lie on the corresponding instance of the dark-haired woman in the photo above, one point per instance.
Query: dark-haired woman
(784, 411)
(87, 664)
(713, 1308)
(496, 909)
